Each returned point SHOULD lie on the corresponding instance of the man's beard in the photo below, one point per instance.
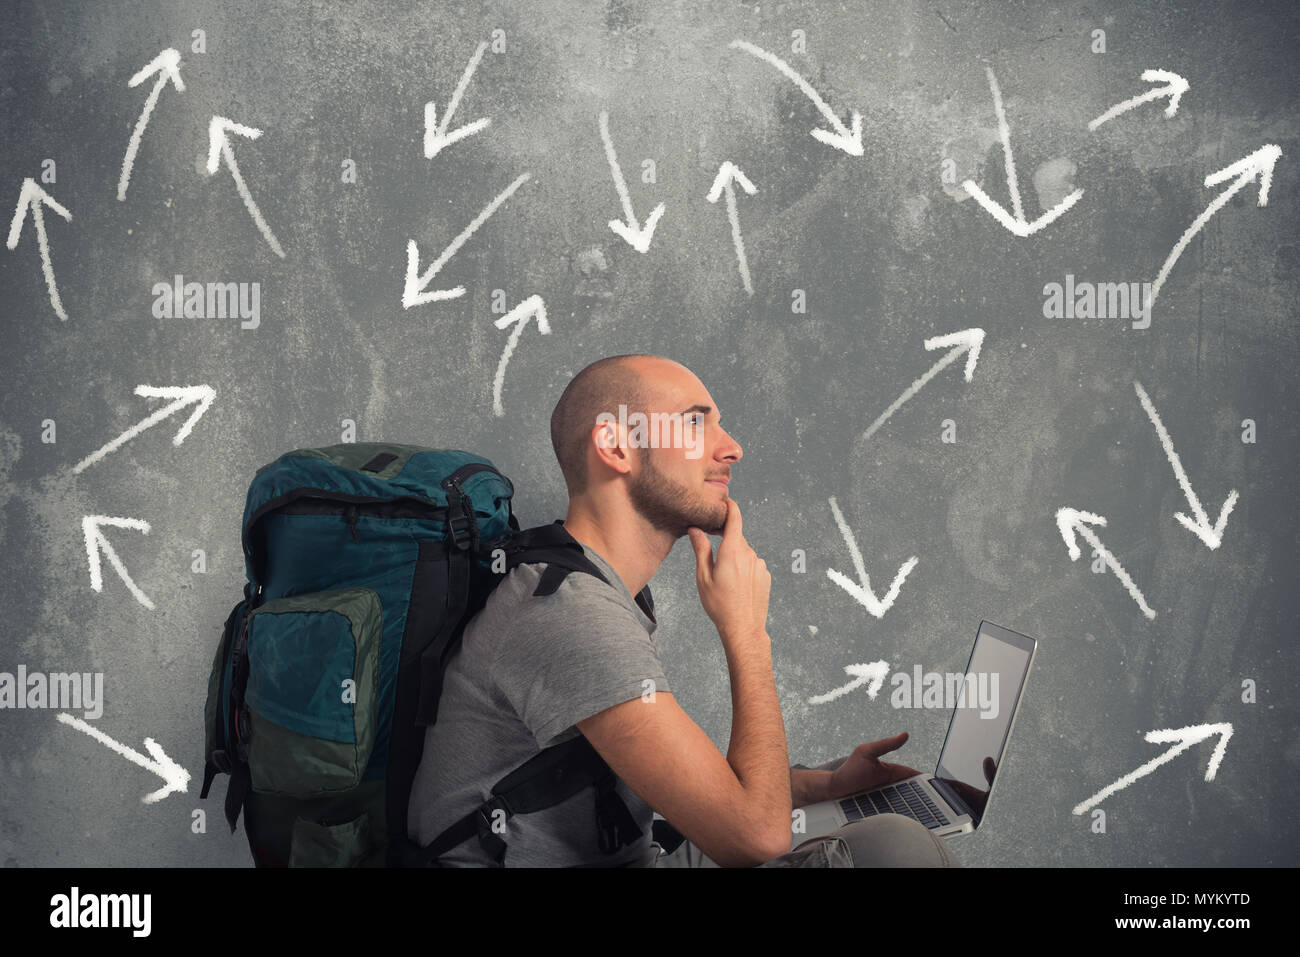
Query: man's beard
(670, 506)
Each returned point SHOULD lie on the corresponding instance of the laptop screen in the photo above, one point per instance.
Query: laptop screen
(981, 721)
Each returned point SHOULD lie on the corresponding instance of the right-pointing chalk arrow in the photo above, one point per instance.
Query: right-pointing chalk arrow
(33, 196)
(175, 778)
(861, 589)
(1070, 522)
(630, 228)
(1174, 88)
(872, 675)
(219, 148)
(96, 542)
(1182, 739)
(1210, 534)
(1258, 164)
(1014, 221)
(200, 396)
(436, 137)
(846, 138)
(413, 293)
(967, 342)
(168, 67)
(728, 174)
(519, 315)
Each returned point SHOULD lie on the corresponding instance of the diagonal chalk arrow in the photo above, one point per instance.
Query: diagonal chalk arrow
(175, 778)
(519, 315)
(413, 293)
(966, 341)
(168, 67)
(1182, 739)
(33, 196)
(200, 396)
(861, 589)
(872, 675)
(729, 173)
(1211, 535)
(1070, 521)
(96, 542)
(846, 138)
(1014, 221)
(1174, 88)
(436, 137)
(1258, 164)
(219, 147)
(632, 232)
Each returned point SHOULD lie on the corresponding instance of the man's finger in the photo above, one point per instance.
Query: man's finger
(703, 552)
(731, 530)
(883, 746)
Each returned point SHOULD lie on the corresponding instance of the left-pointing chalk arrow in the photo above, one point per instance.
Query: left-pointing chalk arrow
(35, 197)
(175, 777)
(218, 147)
(96, 542)
(199, 395)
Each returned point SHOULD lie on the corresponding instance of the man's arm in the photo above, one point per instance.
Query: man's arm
(808, 786)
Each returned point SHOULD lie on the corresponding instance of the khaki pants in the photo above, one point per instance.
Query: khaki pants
(884, 840)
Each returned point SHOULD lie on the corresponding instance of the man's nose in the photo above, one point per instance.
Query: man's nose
(729, 449)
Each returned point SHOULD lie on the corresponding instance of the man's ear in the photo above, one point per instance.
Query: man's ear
(610, 443)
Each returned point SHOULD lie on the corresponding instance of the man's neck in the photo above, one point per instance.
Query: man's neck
(632, 546)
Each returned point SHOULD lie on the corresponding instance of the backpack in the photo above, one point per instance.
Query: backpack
(364, 561)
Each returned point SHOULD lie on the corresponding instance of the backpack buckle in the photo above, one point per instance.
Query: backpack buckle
(458, 526)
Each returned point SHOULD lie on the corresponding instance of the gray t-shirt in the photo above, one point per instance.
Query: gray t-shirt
(528, 669)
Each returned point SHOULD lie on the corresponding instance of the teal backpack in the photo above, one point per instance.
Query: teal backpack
(364, 561)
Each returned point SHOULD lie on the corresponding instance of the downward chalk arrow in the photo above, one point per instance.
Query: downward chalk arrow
(33, 196)
(1014, 221)
(861, 589)
(1211, 535)
(967, 341)
(519, 315)
(1258, 164)
(219, 147)
(872, 675)
(175, 777)
(1070, 521)
(846, 138)
(631, 231)
(200, 396)
(95, 542)
(1174, 88)
(436, 137)
(1182, 739)
(728, 174)
(168, 67)
(413, 293)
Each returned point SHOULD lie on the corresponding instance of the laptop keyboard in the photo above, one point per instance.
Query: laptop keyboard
(906, 798)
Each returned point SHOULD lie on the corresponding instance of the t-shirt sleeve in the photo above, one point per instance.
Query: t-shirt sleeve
(574, 654)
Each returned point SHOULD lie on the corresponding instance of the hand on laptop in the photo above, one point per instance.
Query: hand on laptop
(863, 770)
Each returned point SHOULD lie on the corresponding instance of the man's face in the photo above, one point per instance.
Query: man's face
(674, 487)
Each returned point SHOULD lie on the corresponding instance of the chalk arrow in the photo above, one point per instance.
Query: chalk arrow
(966, 341)
(861, 589)
(218, 147)
(728, 174)
(631, 231)
(200, 396)
(846, 138)
(168, 67)
(95, 542)
(413, 294)
(436, 137)
(1258, 164)
(1182, 739)
(1014, 221)
(872, 675)
(175, 777)
(1071, 521)
(519, 315)
(1174, 88)
(1211, 535)
(33, 196)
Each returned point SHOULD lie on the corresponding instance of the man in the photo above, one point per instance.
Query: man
(534, 671)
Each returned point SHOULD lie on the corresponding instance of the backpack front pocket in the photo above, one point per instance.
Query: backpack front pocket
(312, 693)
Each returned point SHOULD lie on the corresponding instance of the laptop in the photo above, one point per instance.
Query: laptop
(954, 799)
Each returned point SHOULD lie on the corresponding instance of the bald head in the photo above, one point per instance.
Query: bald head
(600, 387)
